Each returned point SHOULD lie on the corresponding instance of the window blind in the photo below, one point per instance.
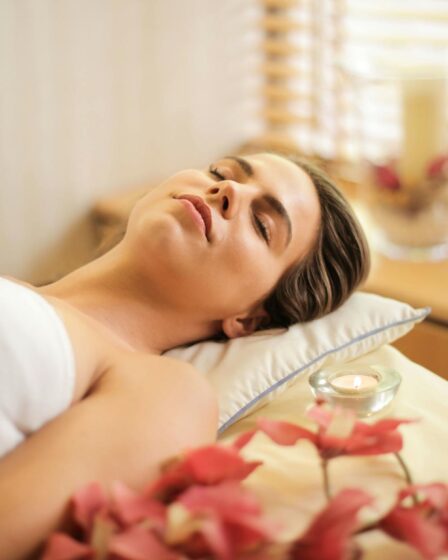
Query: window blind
(310, 98)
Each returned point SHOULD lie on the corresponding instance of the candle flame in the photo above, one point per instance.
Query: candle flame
(357, 382)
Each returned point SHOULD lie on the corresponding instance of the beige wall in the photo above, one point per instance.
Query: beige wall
(99, 95)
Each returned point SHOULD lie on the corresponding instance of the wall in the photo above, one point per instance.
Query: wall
(101, 95)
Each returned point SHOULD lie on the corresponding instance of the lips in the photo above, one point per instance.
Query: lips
(203, 210)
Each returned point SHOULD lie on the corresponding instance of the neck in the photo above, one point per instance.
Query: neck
(117, 295)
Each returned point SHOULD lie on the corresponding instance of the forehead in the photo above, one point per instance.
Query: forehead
(295, 189)
(280, 172)
(287, 179)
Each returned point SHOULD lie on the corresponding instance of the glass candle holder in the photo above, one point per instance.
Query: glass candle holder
(366, 390)
(403, 145)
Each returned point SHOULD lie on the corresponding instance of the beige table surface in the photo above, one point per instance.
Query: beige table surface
(290, 480)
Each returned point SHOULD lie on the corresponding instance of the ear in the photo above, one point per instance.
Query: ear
(244, 325)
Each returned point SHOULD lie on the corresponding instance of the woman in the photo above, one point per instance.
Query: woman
(249, 243)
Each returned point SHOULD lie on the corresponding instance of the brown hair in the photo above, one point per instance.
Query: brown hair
(336, 264)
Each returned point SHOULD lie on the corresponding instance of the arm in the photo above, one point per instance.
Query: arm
(123, 430)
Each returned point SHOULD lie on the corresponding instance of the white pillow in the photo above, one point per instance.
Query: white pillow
(247, 372)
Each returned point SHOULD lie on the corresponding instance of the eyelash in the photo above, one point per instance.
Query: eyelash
(259, 224)
(214, 171)
(262, 228)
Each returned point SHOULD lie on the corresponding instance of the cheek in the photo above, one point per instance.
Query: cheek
(248, 266)
(184, 180)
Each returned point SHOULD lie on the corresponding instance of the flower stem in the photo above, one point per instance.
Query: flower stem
(406, 471)
(326, 479)
(407, 474)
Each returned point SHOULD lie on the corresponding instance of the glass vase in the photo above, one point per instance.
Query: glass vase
(403, 146)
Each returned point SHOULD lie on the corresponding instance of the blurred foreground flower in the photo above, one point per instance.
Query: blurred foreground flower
(199, 507)
(424, 524)
(338, 433)
(206, 466)
(329, 535)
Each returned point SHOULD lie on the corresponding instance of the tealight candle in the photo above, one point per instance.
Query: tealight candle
(366, 390)
(354, 383)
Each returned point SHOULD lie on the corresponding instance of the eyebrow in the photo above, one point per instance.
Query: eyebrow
(271, 201)
(245, 166)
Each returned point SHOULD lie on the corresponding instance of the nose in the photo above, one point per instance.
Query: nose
(228, 197)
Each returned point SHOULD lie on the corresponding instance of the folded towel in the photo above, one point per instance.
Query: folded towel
(37, 366)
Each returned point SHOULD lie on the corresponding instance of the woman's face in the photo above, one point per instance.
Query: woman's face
(216, 241)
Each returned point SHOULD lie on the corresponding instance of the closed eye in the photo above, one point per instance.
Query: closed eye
(214, 171)
(262, 228)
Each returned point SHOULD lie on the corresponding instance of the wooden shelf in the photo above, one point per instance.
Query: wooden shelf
(421, 284)
(427, 344)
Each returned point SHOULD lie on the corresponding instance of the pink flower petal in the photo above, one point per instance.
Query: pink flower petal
(386, 177)
(87, 502)
(361, 438)
(169, 484)
(381, 426)
(130, 507)
(285, 433)
(139, 544)
(210, 538)
(409, 525)
(63, 547)
(206, 465)
(436, 494)
(215, 463)
(328, 536)
(374, 444)
(321, 415)
(423, 525)
(438, 167)
(229, 499)
(237, 508)
(243, 439)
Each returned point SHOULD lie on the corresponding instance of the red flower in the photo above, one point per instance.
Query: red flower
(206, 466)
(129, 508)
(225, 521)
(87, 503)
(438, 167)
(63, 547)
(138, 543)
(242, 440)
(328, 537)
(362, 438)
(423, 525)
(386, 177)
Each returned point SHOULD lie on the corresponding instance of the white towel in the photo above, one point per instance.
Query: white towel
(37, 366)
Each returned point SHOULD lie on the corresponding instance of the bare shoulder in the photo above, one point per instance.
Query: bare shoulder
(103, 365)
(140, 370)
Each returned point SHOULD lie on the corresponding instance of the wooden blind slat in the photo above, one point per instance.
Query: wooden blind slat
(304, 44)
(277, 24)
(281, 70)
(282, 48)
(281, 3)
(283, 116)
(279, 93)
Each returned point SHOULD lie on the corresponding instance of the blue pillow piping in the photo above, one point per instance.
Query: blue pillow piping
(234, 418)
